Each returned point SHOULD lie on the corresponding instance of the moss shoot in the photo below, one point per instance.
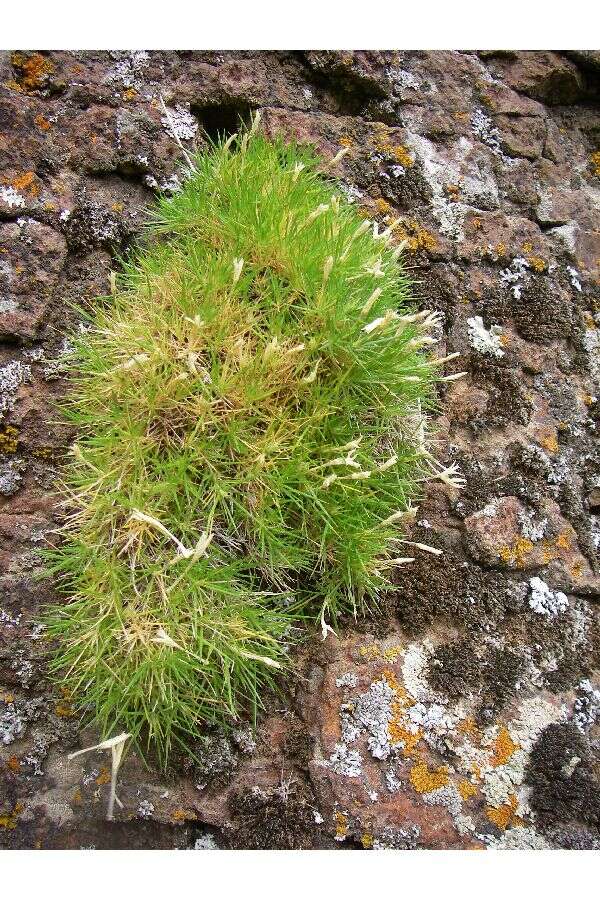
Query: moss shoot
(249, 406)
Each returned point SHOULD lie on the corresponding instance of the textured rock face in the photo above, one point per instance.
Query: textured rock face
(464, 714)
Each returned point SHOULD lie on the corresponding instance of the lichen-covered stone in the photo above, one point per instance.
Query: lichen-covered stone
(464, 713)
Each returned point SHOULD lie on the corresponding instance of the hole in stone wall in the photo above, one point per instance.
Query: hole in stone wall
(218, 119)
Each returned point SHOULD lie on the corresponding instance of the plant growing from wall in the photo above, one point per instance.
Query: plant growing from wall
(249, 406)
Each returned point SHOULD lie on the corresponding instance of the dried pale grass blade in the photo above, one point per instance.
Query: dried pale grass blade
(116, 745)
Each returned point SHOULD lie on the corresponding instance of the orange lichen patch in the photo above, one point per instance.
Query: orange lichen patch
(32, 70)
(537, 263)
(370, 652)
(476, 222)
(382, 142)
(549, 551)
(77, 798)
(367, 840)
(341, 826)
(527, 247)
(117, 207)
(469, 727)
(588, 319)
(452, 191)
(499, 816)
(504, 815)
(466, 789)
(595, 159)
(130, 94)
(403, 156)
(504, 340)
(381, 138)
(563, 541)
(103, 777)
(424, 781)
(391, 654)
(7, 698)
(576, 570)
(13, 764)
(383, 207)
(9, 439)
(183, 815)
(550, 443)
(9, 820)
(416, 237)
(64, 710)
(504, 747)
(500, 249)
(42, 452)
(392, 680)
(26, 182)
(398, 733)
(516, 554)
(460, 116)
(346, 141)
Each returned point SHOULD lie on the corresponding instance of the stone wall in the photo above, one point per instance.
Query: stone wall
(463, 714)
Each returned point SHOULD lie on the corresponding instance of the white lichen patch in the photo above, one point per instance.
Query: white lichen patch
(477, 184)
(575, 278)
(12, 376)
(12, 724)
(516, 275)
(344, 761)
(11, 621)
(129, 68)
(180, 123)
(488, 134)
(586, 709)
(485, 340)
(435, 720)
(501, 782)
(518, 838)
(414, 671)
(348, 679)
(591, 345)
(58, 366)
(8, 305)
(535, 714)
(10, 478)
(545, 601)
(11, 197)
(531, 529)
(145, 809)
(449, 797)
(402, 80)
(206, 841)
(373, 712)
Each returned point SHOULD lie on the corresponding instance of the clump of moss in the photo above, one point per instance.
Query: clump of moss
(250, 409)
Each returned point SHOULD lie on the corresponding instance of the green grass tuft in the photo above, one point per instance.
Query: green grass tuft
(249, 405)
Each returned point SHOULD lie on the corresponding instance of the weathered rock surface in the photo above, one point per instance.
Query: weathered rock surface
(464, 713)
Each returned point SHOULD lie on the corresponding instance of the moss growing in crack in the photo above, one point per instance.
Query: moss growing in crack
(250, 413)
